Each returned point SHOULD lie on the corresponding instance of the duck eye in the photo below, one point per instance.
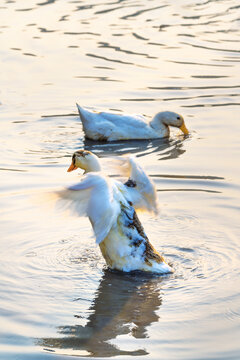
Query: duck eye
(178, 118)
(73, 158)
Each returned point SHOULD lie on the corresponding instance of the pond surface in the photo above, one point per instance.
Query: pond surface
(57, 299)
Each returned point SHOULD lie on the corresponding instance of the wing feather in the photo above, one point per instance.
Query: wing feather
(92, 197)
(142, 194)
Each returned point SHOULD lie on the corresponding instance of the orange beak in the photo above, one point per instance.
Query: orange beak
(184, 129)
(72, 167)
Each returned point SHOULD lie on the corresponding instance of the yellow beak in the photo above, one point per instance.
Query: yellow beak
(72, 167)
(184, 129)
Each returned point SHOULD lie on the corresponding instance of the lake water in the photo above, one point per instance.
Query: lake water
(57, 300)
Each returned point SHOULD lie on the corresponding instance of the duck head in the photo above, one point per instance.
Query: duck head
(164, 119)
(85, 160)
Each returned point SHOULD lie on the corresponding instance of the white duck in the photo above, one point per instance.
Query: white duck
(108, 126)
(109, 205)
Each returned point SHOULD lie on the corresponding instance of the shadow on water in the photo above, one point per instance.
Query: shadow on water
(124, 305)
(166, 148)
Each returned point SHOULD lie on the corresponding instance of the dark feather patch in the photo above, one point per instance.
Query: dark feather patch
(130, 183)
(132, 221)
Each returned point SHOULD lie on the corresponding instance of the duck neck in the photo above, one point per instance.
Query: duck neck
(93, 166)
(157, 123)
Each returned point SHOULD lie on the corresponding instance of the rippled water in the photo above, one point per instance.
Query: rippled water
(56, 297)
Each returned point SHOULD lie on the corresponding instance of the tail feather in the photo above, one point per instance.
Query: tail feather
(79, 111)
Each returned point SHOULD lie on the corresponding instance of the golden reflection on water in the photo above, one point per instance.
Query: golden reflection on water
(123, 305)
(138, 57)
(164, 148)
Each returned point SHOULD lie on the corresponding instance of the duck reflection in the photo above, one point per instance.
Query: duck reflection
(166, 148)
(124, 304)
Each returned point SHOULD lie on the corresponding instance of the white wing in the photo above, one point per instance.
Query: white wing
(92, 197)
(140, 187)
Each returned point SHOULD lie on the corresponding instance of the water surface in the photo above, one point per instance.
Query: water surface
(57, 299)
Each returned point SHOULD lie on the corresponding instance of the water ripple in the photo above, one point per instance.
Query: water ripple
(211, 48)
(56, 296)
(140, 12)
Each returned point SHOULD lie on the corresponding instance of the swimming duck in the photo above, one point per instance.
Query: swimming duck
(108, 126)
(110, 206)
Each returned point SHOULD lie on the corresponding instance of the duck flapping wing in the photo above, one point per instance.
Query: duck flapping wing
(140, 188)
(96, 196)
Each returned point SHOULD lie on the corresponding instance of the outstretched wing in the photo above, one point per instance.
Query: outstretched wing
(140, 187)
(92, 197)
